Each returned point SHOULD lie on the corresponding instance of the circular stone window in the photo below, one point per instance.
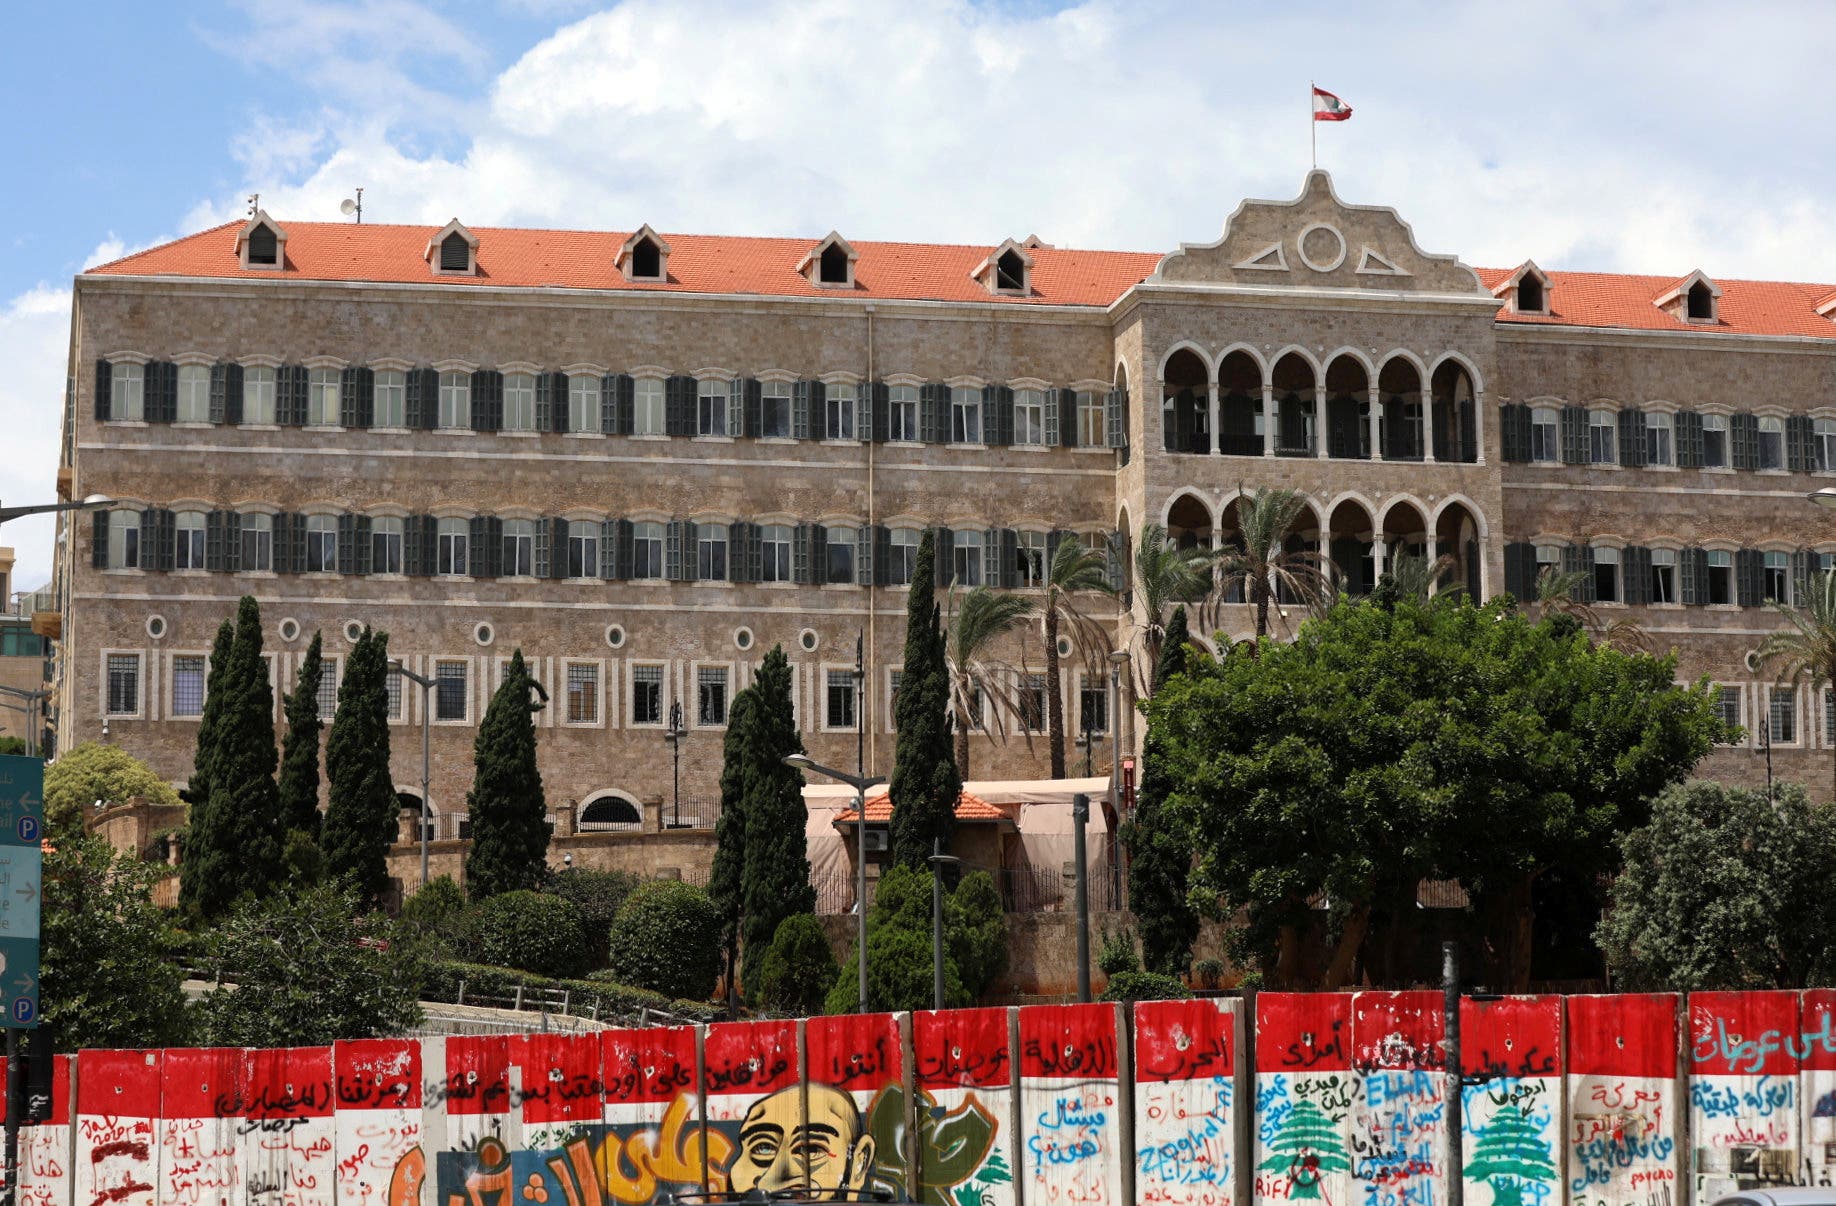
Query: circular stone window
(807, 639)
(289, 629)
(156, 626)
(742, 638)
(1322, 248)
(615, 635)
(1064, 646)
(353, 631)
(483, 633)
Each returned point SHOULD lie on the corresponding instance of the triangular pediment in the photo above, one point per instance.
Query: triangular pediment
(1318, 241)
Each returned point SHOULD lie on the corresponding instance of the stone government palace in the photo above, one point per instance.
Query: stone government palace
(645, 459)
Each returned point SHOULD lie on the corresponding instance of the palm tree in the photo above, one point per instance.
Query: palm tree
(1559, 591)
(1259, 565)
(1076, 568)
(975, 621)
(1413, 576)
(1165, 574)
(1806, 651)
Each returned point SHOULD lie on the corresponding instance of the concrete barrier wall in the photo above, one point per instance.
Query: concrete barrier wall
(1330, 1098)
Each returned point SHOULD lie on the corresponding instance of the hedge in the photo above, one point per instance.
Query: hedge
(444, 978)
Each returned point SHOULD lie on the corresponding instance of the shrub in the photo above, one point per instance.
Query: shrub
(611, 1000)
(1118, 955)
(666, 938)
(599, 895)
(436, 915)
(1210, 972)
(92, 772)
(976, 931)
(1144, 986)
(528, 930)
(899, 971)
(799, 968)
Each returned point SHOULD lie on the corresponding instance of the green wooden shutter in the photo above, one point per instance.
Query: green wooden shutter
(347, 401)
(487, 400)
(1115, 420)
(219, 397)
(624, 552)
(997, 415)
(290, 395)
(679, 406)
(1635, 572)
(546, 401)
(1692, 566)
(1469, 431)
(1632, 439)
(1003, 548)
(1689, 439)
(675, 552)
(1749, 577)
(1514, 432)
(558, 552)
(363, 548)
(542, 554)
(1799, 444)
(476, 540)
(213, 541)
(882, 555)
(1579, 559)
(1054, 412)
(934, 412)
(161, 397)
(943, 567)
(98, 538)
(805, 409)
(347, 544)
(608, 545)
(615, 398)
(881, 406)
(105, 384)
(1743, 436)
(1520, 571)
(1574, 435)
(1801, 562)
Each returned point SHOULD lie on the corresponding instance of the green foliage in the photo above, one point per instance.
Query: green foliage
(92, 772)
(775, 881)
(666, 938)
(1164, 575)
(210, 724)
(11, 746)
(443, 980)
(237, 833)
(1160, 856)
(899, 951)
(724, 879)
(301, 859)
(1438, 740)
(529, 930)
(798, 969)
(301, 967)
(1725, 889)
(509, 815)
(1137, 985)
(1257, 564)
(299, 768)
(925, 782)
(1075, 570)
(1208, 972)
(974, 622)
(362, 815)
(105, 980)
(1805, 651)
(598, 895)
(435, 917)
(1117, 954)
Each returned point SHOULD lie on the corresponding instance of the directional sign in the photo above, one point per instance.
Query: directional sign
(22, 825)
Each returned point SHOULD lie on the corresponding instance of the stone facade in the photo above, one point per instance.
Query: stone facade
(1312, 288)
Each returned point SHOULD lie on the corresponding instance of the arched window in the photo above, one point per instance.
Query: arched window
(1010, 272)
(264, 247)
(833, 269)
(1530, 295)
(1701, 302)
(608, 812)
(455, 253)
(646, 261)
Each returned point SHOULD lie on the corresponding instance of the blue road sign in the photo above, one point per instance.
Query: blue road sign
(22, 825)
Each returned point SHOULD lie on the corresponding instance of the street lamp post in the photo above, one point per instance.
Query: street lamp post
(674, 735)
(87, 504)
(860, 784)
(426, 685)
(29, 701)
(1080, 817)
(939, 860)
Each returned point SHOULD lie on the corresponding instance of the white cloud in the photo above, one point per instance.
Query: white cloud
(34, 336)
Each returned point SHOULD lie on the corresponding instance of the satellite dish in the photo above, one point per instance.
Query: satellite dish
(347, 207)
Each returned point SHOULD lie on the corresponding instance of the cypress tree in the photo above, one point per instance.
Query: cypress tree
(925, 785)
(1160, 858)
(299, 768)
(235, 846)
(509, 815)
(775, 878)
(725, 879)
(197, 789)
(360, 816)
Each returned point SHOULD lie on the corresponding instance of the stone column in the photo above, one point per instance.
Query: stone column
(1269, 418)
(1319, 424)
(653, 813)
(1428, 426)
(1479, 428)
(1375, 407)
(1211, 410)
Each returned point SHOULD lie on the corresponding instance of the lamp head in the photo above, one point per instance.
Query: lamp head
(1825, 497)
(800, 761)
(1118, 656)
(98, 500)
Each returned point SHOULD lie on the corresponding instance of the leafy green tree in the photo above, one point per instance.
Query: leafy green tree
(1138, 985)
(92, 772)
(1725, 889)
(798, 969)
(303, 967)
(1805, 652)
(925, 780)
(1257, 564)
(976, 622)
(509, 814)
(299, 768)
(11, 746)
(725, 877)
(435, 917)
(975, 932)
(104, 978)
(775, 880)
(666, 939)
(598, 895)
(532, 931)
(1160, 854)
(361, 814)
(210, 724)
(1076, 570)
(1511, 1156)
(1387, 745)
(899, 946)
(234, 844)
(1307, 1147)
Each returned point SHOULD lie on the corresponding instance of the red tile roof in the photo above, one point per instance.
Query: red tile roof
(968, 808)
(581, 259)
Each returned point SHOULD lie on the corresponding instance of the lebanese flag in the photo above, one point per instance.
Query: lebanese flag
(1327, 107)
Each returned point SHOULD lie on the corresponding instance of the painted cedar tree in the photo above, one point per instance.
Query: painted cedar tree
(234, 843)
(509, 815)
(724, 880)
(361, 815)
(299, 768)
(775, 877)
(925, 784)
(210, 724)
(1160, 857)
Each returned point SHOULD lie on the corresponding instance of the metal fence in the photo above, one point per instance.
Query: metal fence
(1022, 889)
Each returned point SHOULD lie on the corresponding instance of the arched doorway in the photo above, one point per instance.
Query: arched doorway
(1399, 384)
(1185, 403)
(1456, 433)
(1348, 409)
(408, 805)
(610, 813)
(1240, 405)
(1405, 533)
(1351, 548)
(1189, 524)
(1456, 537)
(1295, 406)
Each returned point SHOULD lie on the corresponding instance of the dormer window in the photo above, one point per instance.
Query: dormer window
(1525, 291)
(830, 264)
(833, 267)
(1701, 303)
(1695, 298)
(644, 256)
(1010, 272)
(1008, 269)
(262, 243)
(1530, 295)
(453, 251)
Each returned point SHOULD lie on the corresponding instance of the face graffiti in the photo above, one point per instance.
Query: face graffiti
(828, 1151)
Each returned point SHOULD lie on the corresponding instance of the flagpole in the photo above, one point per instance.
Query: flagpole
(1313, 128)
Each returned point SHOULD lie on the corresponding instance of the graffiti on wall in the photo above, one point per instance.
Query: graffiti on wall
(1305, 1093)
(1817, 1086)
(963, 1070)
(380, 1153)
(1622, 1094)
(1399, 1123)
(1511, 1100)
(1185, 1118)
(754, 1100)
(1745, 1054)
(476, 1092)
(289, 1139)
(200, 1126)
(653, 1143)
(116, 1158)
(1071, 1103)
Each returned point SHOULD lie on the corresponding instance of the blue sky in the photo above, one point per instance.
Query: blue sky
(1634, 137)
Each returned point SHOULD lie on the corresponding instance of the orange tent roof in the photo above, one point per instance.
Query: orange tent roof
(968, 808)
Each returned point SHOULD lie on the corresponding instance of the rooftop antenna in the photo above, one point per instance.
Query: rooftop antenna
(254, 203)
(351, 208)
